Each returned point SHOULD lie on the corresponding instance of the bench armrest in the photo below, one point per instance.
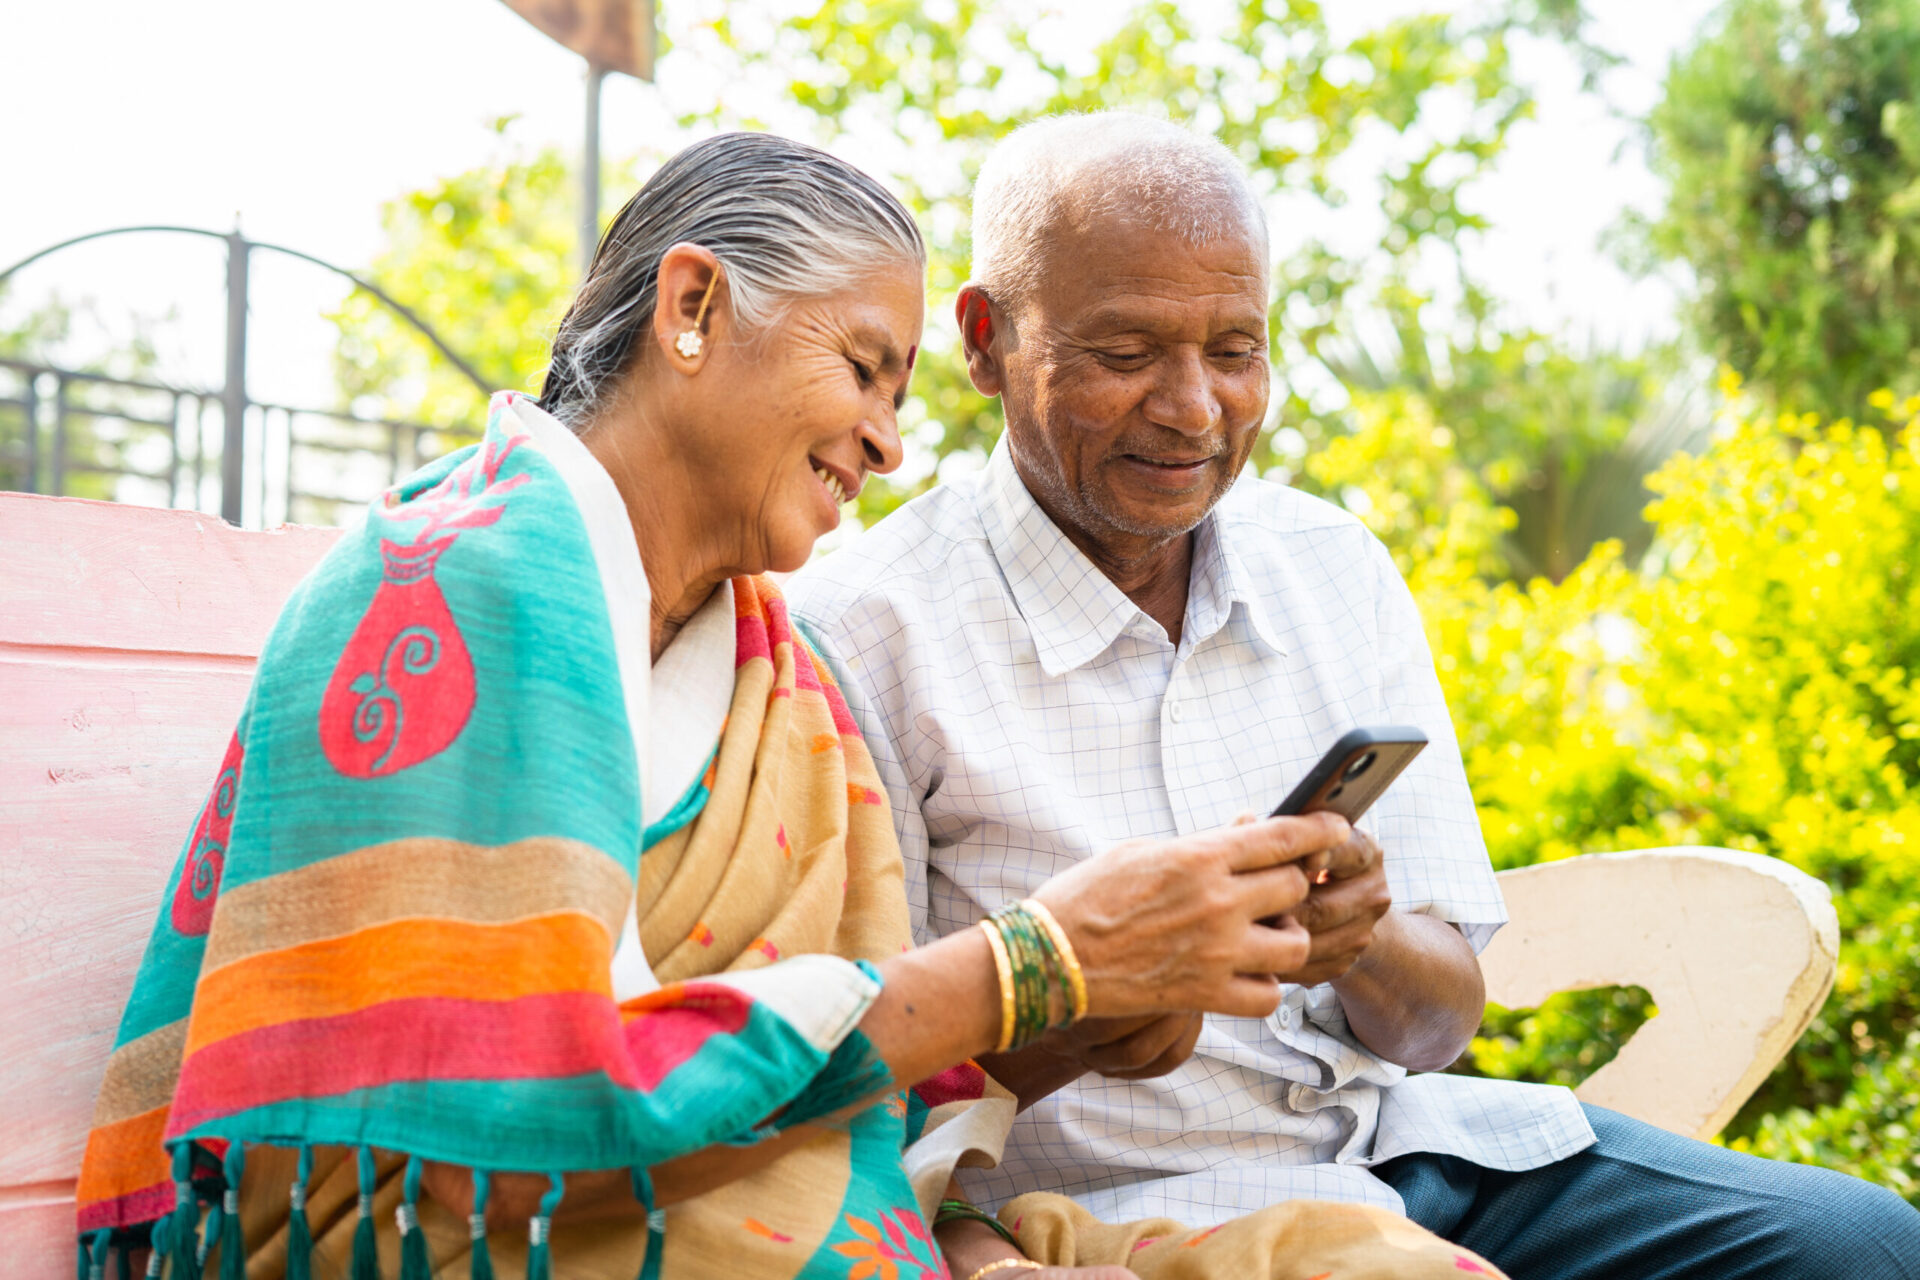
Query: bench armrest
(1736, 949)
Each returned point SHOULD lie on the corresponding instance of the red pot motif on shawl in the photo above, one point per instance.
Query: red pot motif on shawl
(199, 888)
(404, 686)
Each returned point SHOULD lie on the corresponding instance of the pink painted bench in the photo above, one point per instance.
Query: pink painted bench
(127, 640)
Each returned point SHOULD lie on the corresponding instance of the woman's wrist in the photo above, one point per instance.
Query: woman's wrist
(968, 1246)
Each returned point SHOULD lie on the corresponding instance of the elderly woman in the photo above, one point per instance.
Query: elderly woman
(546, 873)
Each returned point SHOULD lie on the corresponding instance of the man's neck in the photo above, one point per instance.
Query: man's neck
(1152, 573)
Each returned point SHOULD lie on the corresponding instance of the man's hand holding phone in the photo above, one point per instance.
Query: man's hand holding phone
(1349, 897)
(1343, 910)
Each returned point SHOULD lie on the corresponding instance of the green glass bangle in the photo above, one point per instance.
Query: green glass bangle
(1030, 970)
(1038, 971)
(961, 1211)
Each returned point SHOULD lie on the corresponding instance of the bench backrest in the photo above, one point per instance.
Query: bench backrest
(127, 640)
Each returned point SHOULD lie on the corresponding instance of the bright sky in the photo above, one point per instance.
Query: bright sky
(300, 120)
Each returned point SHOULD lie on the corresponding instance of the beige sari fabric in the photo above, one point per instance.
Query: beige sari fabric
(1298, 1240)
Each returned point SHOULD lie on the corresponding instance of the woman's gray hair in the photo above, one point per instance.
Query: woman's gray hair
(787, 222)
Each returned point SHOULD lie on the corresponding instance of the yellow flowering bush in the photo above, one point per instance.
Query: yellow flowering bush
(1752, 685)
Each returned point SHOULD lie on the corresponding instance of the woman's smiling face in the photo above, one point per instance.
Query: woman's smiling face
(792, 420)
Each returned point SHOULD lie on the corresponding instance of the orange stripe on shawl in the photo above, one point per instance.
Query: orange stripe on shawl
(403, 960)
(126, 1157)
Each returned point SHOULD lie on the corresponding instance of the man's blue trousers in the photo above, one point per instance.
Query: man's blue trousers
(1645, 1204)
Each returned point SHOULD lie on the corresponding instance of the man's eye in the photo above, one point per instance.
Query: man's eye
(1128, 358)
(861, 371)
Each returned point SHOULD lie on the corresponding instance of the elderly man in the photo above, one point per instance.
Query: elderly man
(1103, 635)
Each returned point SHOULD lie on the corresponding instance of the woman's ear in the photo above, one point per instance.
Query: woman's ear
(980, 337)
(691, 312)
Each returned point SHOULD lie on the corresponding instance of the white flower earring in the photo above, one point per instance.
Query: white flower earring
(689, 343)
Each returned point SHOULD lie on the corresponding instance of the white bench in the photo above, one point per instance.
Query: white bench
(127, 640)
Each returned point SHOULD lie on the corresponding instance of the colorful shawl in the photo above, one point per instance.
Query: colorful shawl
(389, 936)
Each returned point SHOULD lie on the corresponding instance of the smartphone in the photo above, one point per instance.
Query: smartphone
(1355, 770)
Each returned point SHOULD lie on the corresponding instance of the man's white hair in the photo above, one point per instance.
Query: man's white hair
(1074, 169)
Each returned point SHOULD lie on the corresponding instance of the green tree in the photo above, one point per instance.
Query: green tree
(1789, 137)
(487, 258)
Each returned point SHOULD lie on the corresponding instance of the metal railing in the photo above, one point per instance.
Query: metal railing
(80, 434)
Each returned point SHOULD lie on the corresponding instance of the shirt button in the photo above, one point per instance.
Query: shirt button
(1286, 1017)
(1173, 711)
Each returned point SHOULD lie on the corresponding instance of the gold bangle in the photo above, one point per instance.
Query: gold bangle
(1004, 967)
(1075, 978)
(1022, 1264)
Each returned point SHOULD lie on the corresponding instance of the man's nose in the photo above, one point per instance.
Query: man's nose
(1183, 397)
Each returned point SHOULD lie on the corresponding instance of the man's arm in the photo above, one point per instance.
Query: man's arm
(1416, 995)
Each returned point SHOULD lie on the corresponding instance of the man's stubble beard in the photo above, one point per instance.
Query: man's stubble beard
(1083, 507)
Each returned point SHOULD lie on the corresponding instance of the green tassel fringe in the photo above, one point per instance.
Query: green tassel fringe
(158, 1240)
(93, 1259)
(366, 1253)
(299, 1232)
(656, 1224)
(184, 1236)
(123, 1262)
(210, 1236)
(479, 1257)
(539, 1228)
(414, 1262)
(233, 1245)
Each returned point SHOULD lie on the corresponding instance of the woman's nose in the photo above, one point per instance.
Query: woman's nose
(880, 441)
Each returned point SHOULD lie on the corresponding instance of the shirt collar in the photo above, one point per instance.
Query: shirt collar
(1071, 608)
(1221, 579)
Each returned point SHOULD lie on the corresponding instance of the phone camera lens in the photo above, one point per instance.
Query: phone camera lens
(1360, 766)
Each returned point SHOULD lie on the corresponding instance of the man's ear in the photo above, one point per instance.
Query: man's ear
(687, 273)
(981, 338)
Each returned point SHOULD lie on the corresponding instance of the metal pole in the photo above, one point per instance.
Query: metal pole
(233, 397)
(590, 172)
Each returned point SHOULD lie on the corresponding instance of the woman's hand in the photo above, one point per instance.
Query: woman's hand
(1170, 925)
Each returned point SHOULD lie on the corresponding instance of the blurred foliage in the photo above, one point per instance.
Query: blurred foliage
(487, 258)
(1751, 687)
(1564, 1041)
(1789, 138)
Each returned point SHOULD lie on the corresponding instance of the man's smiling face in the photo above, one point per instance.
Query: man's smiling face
(1137, 378)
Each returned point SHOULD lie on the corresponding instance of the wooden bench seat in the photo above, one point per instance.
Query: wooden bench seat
(127, 640)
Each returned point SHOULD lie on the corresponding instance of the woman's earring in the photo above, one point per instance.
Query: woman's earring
(689, 343)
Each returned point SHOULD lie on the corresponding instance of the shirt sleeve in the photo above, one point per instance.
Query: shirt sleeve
(1426, 823)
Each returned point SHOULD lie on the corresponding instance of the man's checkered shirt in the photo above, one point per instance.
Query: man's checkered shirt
(1025, 714)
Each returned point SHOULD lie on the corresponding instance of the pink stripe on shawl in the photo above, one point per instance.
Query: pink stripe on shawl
(750, 639)
(437, 1038)
(144, 1205)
